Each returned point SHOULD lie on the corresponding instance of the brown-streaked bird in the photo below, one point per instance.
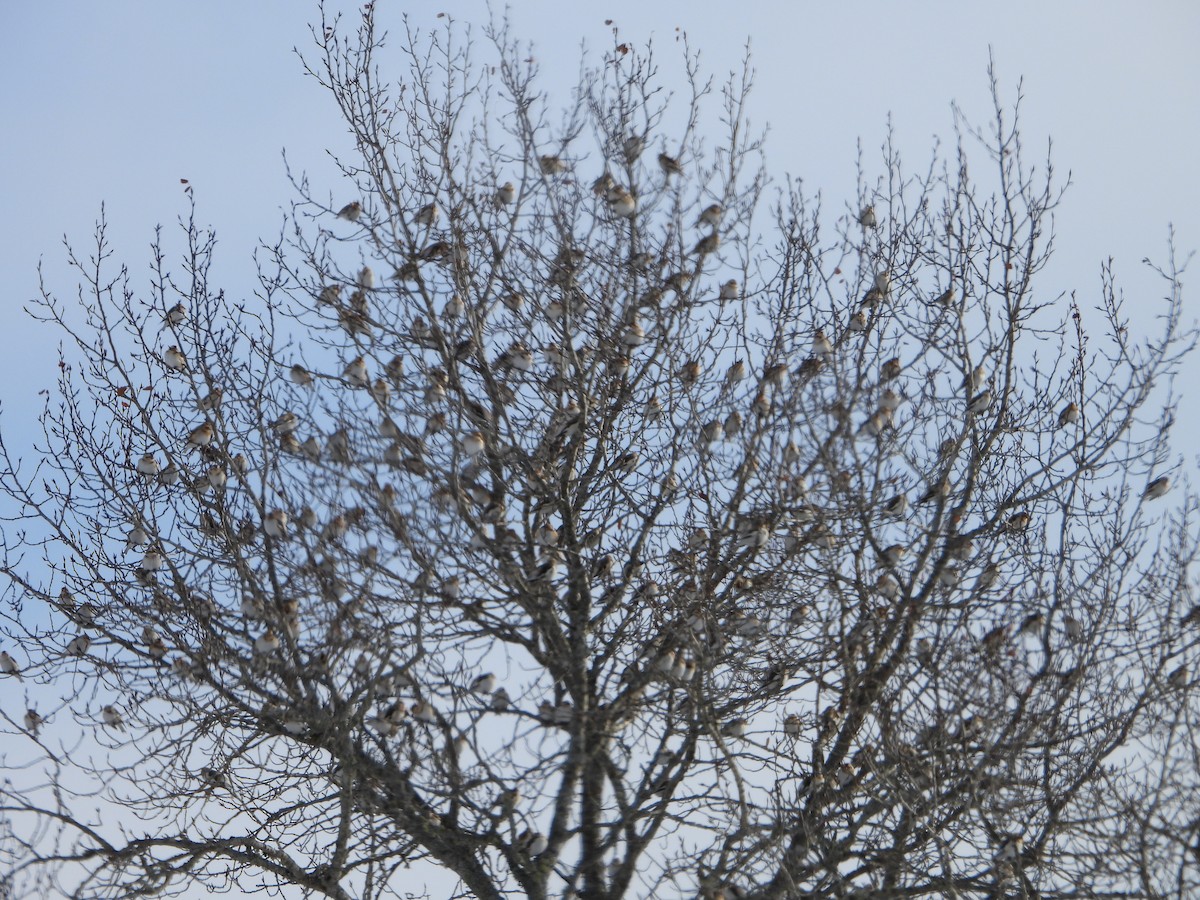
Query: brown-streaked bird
(858, 322)
(176, 315)
(473, 444)
(351, 212)
(883, 282)
(147, 465)
(300, 375)
(945, 298)
(202, 435)
(669, 165)
(867, 218)
(938, 489)
(620, 202)
(894, 553)
(1157, 487)
(975, 379)
(356, 373)
(174, 359)
(505, 194)
(821, 347)
(1032, 624)
(33, 721)
(8, 665)
(1017, 522)
(729, 290)
(112, 717)
(1069, 415)
(285, 423)
(711, 215)
(735, 728)
(897, 506)
(275, 524)
(890, 369)
(632, 147)
(267, 642)
(707, 244)
(551, 164)
(980, 403)
(210, 401)
(427, 215)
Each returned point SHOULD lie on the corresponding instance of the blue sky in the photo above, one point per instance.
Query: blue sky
(115, 102)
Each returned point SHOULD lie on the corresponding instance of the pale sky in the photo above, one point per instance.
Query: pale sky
(115, 102)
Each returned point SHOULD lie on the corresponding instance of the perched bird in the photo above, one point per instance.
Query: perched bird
(897, 506)
(707, 244)
(275, 524)
(1069, 415)
(210, 401)
(945, 298)
(33, 721)
(505, 194)
(176, 315)
(8, 665)
(821, 347)
(300, 375)
(424, 712)
(621, 203)
(551, 165)
(867, 218)
(356, 373)
(670, 165)
(734, 728)
(351, 212)
(112, 717)
(858, 322)
(285, 423)
(1157, 487)
(890, 369)
(711, 215)
(633, 147)
(792, 725)
(975, 378)
(427, 215)
(893, 554)
(500, 700)
(883, 282)
(473, 444)
(483, 684)
(1178, 678)
(79, 645)
(532, 843)
(174, 359)
(1073, 627)
(147, 465)
(267, 642)
(729, 290)
(202, 435)
(137, 537)
(934, 491)
(980, 403)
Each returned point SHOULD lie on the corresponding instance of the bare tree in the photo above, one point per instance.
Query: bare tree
(589, 538)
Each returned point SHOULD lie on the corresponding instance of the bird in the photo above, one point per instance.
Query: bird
(792, 725)
(621, 203)
(483, 684)
(174, 359)
(176, 315)
(267, 642)
(202, 435)
(33, 721)
(532, 843)
(210, 401)
(894, 553)
(946, 297)
(707, 244)
(1069, 415)
(147, 465)
(300, 375)
(934, 491)
(632, 147)
(883, 282)
(112, 717)
(867, 218)
(729, 290)
(505, 194)
(1073, 627)
(217, 477)
(473, 444)
(897, 506)
(551, 164)
(356, 373)
(275, 524)
(1178, 678)
(500, 700)
(711, 215)
(285, 423)
(79, 645)
(351, 212)
(427, 215)
(1017, 522)
(734, 728)
(633, 335)
(821, 347)
(980, 402)
(424, 712)
(670, 165)
(137, 537)
(1157, 487)
(858, 322)
(8, 665)
(975, 378)
(890, 369)
(1032, 624)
